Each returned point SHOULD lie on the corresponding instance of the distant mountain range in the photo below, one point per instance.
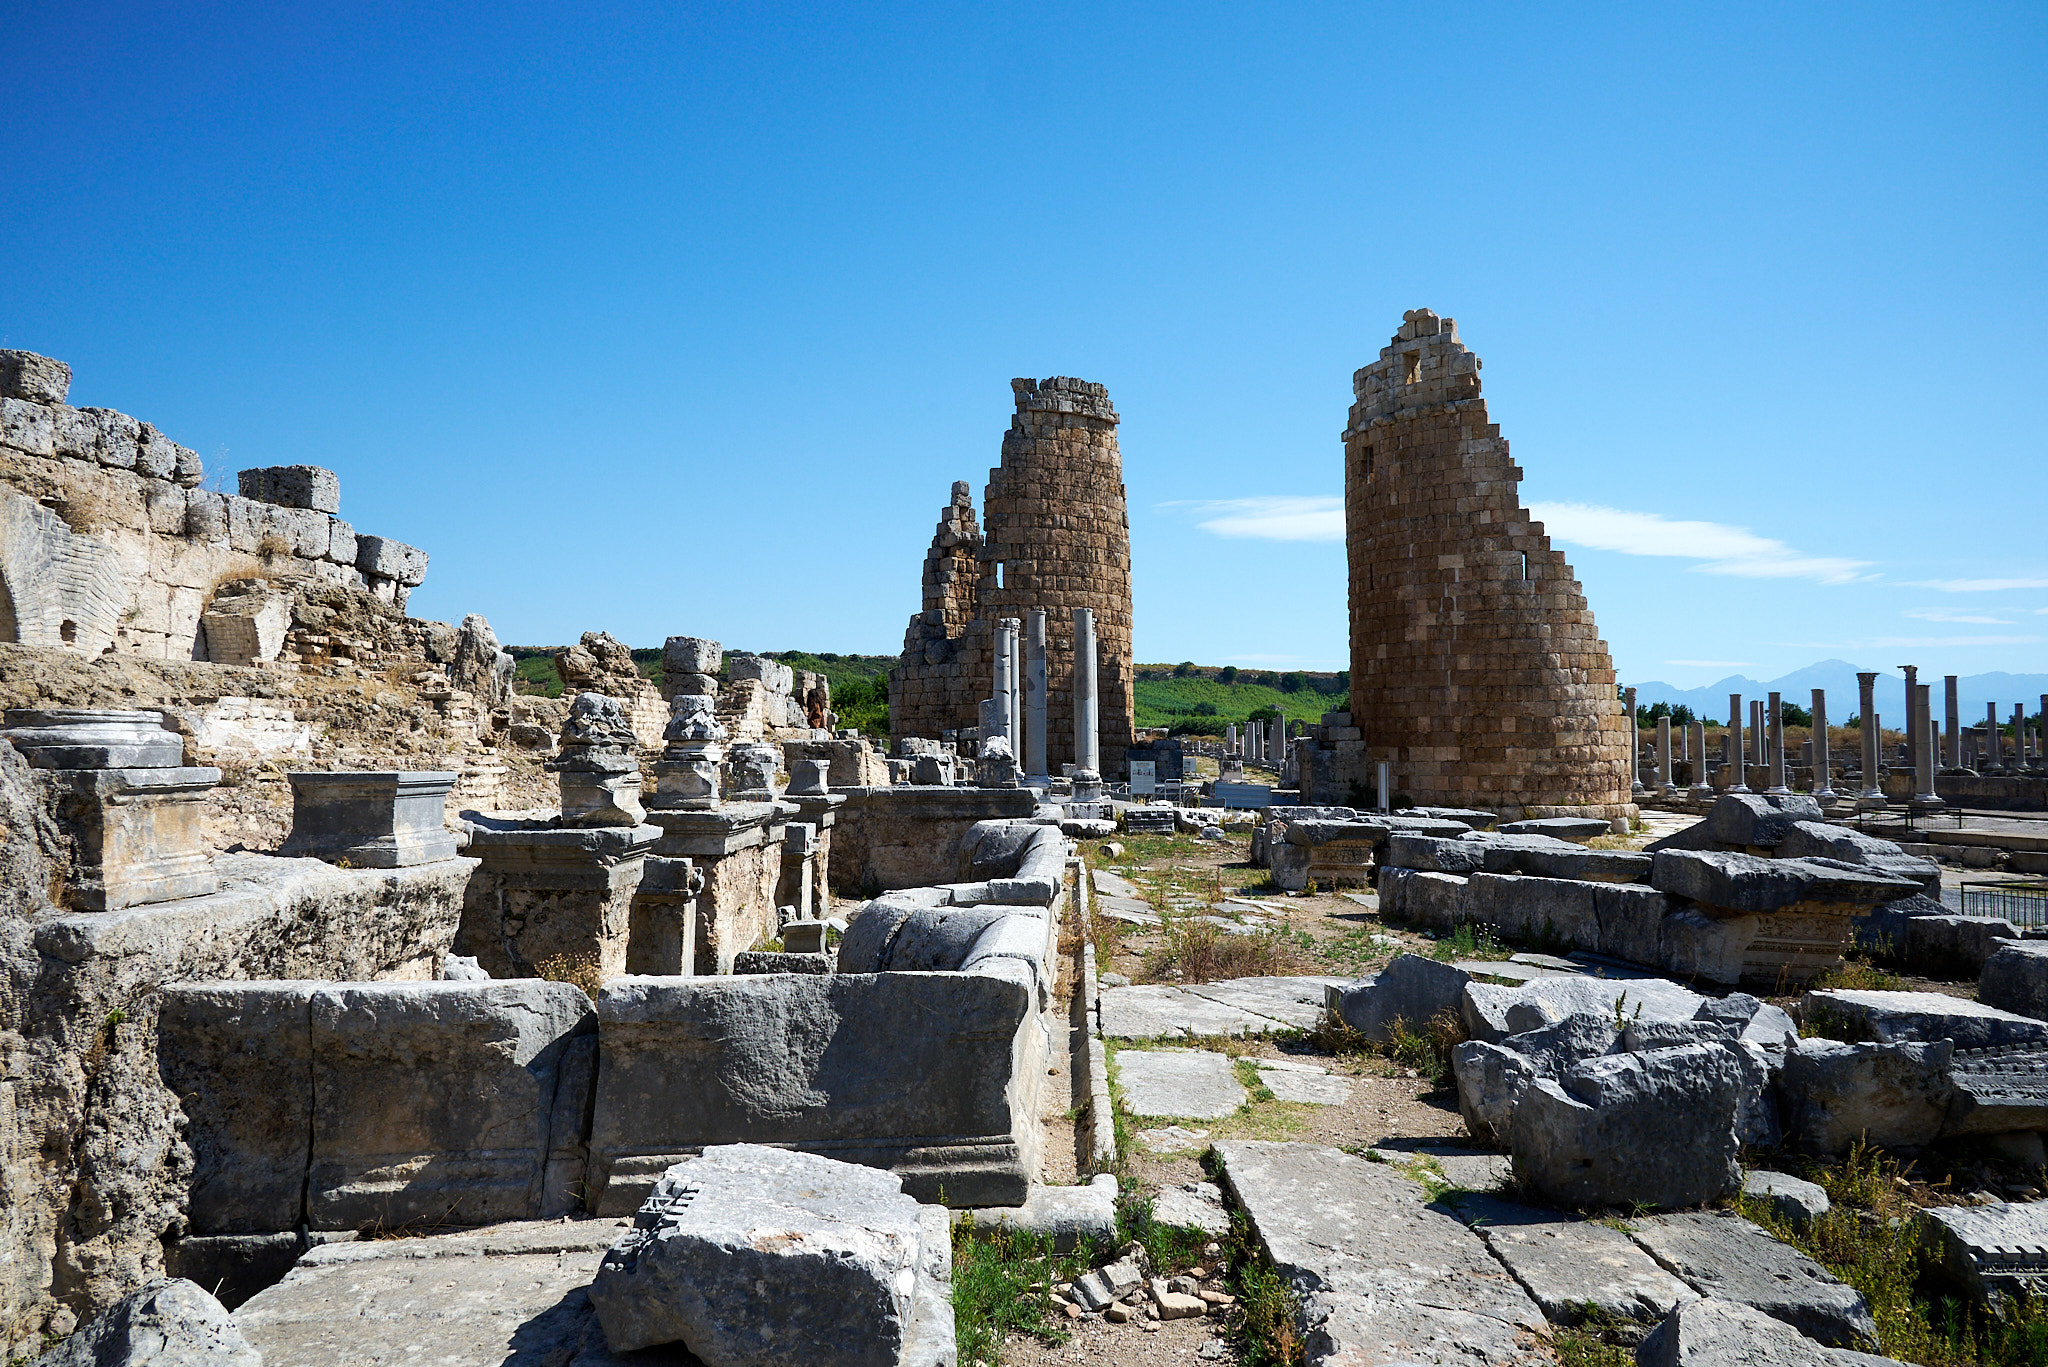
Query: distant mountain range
(1838, 677)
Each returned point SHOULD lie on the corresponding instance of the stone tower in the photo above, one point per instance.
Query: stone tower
(1055, 535)
(1476, 668)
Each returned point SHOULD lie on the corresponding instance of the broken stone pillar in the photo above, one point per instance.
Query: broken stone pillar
(1953, 718)
(1664, 784)
(1738, 781)
(690, 664)
(1087, 739)
(1872, 794)
(1759, 739)
(1005, 700)
(596, 767)
(1777, 745)
(2019, 738)
(132, 814)
(1913, 723)
(686, 777)
(1701, 789)
(797, 886)
(1230, 739)
(819, 811)
(1924, 796)
(551, 901)
(1823, 776)
(750, 772)
(1034, 699)
(371, 820)
(738, 848)
(662, 937)
(1635, 745)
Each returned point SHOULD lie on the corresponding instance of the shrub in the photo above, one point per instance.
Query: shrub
(1227, 674)
(1204, 952)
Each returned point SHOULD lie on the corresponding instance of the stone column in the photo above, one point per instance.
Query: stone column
(1034, 697)
(1087, 733)
(1276, 744)
(1924, 796)
(1701, 789)
(1635, 744)
(1823, 778)
(1872, 794)
(1738, 780)
(2019, 738)
(1914, 726)
(1777, 745)
(1006, 702)
(1230, 739)
(1993, 763)
(1759, 738)
(1664, 783)
(1949, 684)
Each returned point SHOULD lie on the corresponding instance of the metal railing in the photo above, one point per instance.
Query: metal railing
(2023, 904)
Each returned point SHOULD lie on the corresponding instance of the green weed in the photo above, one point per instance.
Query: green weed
(1002, 1285)
(1470, 942)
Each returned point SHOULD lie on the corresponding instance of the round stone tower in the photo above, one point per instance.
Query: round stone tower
(1476, 668)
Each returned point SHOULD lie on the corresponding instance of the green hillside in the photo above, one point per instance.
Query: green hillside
(1202, 700)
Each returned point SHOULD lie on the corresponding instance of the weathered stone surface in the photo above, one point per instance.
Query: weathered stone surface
(1383, 1275)
(1998, 1091)
(2015, 978)
(1556, 1047)
(1758, 818)
(1411, 992)
(1552, 999)
(1069, 1216)
(1749, 1019)
(1491, 1080)
(1894, 1095)
(382, 820)
(1654, 1129)
(293, 486)
(1725, 1256)
(1747, 884)
(1889, 1017)
(1548, 910)
(1593, 866)
(1303, 1083)
(1846, 844)
(1254, 1006)
(1433, 901)
(840, 1245)
(443, 1103)
(1718, 1333)
(1999, 1249)
(1189, 1084)
(1192, 1205)
(37, 379)
(168, 1323)
(1569, 1265)
(1795, 1201)
(388, 559)
(1575, 828)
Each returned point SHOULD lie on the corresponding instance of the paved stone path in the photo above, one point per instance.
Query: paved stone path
(1241, 1006)
(1191, 1084)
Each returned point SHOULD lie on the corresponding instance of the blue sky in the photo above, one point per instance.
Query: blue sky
(683, 319)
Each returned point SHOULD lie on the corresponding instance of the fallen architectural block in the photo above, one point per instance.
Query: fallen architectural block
(1409, 993)
(554, 896)
(384, 820)
(1718, 1333)
(1654, 1129)
(1889, 1017)
(1998, 1091)
(839, 1251)
(1759, 819)
(2015, 978)
(1744, 884)
(1793, 1200)
(1995, 1250)
(1727, 1258)
(1573, 1268)
(1892, 1095)
(1574, 828)
(1186, 1084)
(168, 1323)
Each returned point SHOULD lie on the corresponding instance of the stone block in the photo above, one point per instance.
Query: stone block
(1547, 910)
(1596, 866)
(1434, 901)
(1846, 844)
(80, 738)
(544, 893)
(2015, 978)
(841, 1245)
(1794, 1201)
(438, 1103)
(394, 560)
(1654, 1129)
(164, 505)
(341, 543)
(1726, 1257)
(1995, 1250)
(74, 433)
(206, 516)
(38, 379)
(156, 455)
(1745, 884)
(170, 1322)
(1758, 819)
(1631, 918)
(238, 1056)
(1411, 992)
(371, 820)
(1573, 1268)
(28, 426)
(691, 655)
(1718, 1333)
(139, 834)
(1894, 1095)
(1573, 828)
(1491, 1080)
(1890, 1017)
(1182, 1084)
(293, 486)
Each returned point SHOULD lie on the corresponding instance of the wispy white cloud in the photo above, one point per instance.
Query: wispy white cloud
(1720, 548)
(1978, 585)
(1714, 664)
(1935, 642)
(1280, 517)
(1944, 615)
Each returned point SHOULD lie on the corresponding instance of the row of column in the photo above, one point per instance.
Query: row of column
(1020, 695)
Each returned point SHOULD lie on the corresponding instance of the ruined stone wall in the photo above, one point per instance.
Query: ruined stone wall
(1476, 667)
(107, 542)
(1057, 537)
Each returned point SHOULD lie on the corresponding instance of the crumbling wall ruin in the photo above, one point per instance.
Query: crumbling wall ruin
(1057, 537)
(1476, 667)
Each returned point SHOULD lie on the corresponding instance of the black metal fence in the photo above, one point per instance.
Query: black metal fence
(2023, 904)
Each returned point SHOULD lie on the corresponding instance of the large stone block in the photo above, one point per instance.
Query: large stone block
(1631, 918)
(1654, 1129)
(1555, 911)
(81, 738)
(551, 897)
(139, 834)
(388, 559)
(1893, 1095)
(1757, 818)
(822, 1063)
(38, 379)
(691, 655)
(2015, 978)
(168, 1323)
(1846, 844)
(293, 486)
(1725, 1256)
(1889, 1017)
(1408, 994)
(28, 426)
(447, 1103)
(1434, 901)
(1748, 885)
(1995, 1250)
(372, 820)
(1718, 1333)
(238, 1056)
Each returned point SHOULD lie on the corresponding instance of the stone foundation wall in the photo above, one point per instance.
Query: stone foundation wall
(1058, 538)
(1476, 667)
(909, 836)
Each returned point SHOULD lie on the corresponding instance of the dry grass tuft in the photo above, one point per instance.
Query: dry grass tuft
(1203, 953)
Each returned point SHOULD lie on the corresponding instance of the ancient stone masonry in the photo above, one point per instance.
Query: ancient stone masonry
(1476, 668)
(107, 542)
(1056, 538)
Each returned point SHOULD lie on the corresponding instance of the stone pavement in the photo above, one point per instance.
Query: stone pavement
(1242, 1006)
(1191, 1084)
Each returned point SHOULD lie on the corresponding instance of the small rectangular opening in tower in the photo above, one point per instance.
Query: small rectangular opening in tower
(1525, 565)
(1411, 372)
(999, 572)
(1368, 465)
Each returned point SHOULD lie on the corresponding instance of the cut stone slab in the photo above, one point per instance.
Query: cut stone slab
(1243, 1006)
(1795, 1201)
(1892, 1095)
(170, 1322)
(1129, 910)
(1558, 827)
(838, 1245)
(1568, 1265)
(1383, 1276)
(1303, 1083)
(1718, 1333)
(1894, 1016)
(1751, 885)
(1998, 1091)
(1069, 1216)
(2015, 978)
(1654, 1129)
(1410, 991)
(1759, 819)
(1552, 999)
(1111, 884)
(1172, 1139)
(1999, 1249)
(1192, 1084)
(1723, 1255)
(1195, 1205)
